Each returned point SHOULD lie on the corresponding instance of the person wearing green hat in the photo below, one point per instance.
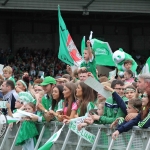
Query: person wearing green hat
(47, 84)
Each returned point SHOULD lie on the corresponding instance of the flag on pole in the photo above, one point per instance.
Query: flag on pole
(83, 46)
(48, 145)
(103, 53)
(146, 68)
(68, 52)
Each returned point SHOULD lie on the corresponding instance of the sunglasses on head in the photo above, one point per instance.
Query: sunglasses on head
(144, 96)
(119, 89)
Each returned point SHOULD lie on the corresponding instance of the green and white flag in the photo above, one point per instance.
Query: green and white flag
(83, 133)
(146, 68)
(103, 53)
(83, 46)
(68, 52)
(48, 145)
(11, 119)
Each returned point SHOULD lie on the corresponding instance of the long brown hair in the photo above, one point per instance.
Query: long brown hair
(72, 87)
(61, 96)
(31, 105)
(87, 96)
(145, 110)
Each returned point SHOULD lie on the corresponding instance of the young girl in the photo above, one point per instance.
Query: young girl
(85, 95)
(28, 132)
(128, 75)
(20, 86)
(70, 106)
(57, 102)
(142, 120)
(99, 112)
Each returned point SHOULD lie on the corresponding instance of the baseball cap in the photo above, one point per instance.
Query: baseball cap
(48, 80)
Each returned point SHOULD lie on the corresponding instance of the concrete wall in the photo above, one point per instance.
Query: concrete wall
(45, 35)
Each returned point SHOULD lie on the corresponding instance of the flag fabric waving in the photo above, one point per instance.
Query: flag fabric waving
(68, 52)
(146, 68)
(48, 145)
(83, 46)
(103, 53)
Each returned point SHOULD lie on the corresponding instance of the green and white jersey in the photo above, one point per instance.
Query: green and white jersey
(59, 106)
(47, 101)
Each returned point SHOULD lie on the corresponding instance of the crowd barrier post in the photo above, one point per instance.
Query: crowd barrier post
(66, 139)
(55, 130)
(5, 137)
(40, 137)
(145, 137)
(109, 134)
(148, 144)
(56, 127)
(111, 144)
(13, 144)
(79, 144)
(96, 139)
(131, 139)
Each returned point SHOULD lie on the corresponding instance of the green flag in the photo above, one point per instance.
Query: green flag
(68, 52)
(146, 68)
(48, 145)
(83, 46)
(103, 53)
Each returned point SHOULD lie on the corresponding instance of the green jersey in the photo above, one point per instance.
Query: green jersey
(59, 106)
(111, 111)
(47, 101)
(91, 67)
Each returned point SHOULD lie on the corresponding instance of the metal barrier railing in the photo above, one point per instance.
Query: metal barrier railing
(135, 139)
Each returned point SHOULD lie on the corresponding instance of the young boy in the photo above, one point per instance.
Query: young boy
(7, 72)
(133, 108)
(89, 61)
(128, 64)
